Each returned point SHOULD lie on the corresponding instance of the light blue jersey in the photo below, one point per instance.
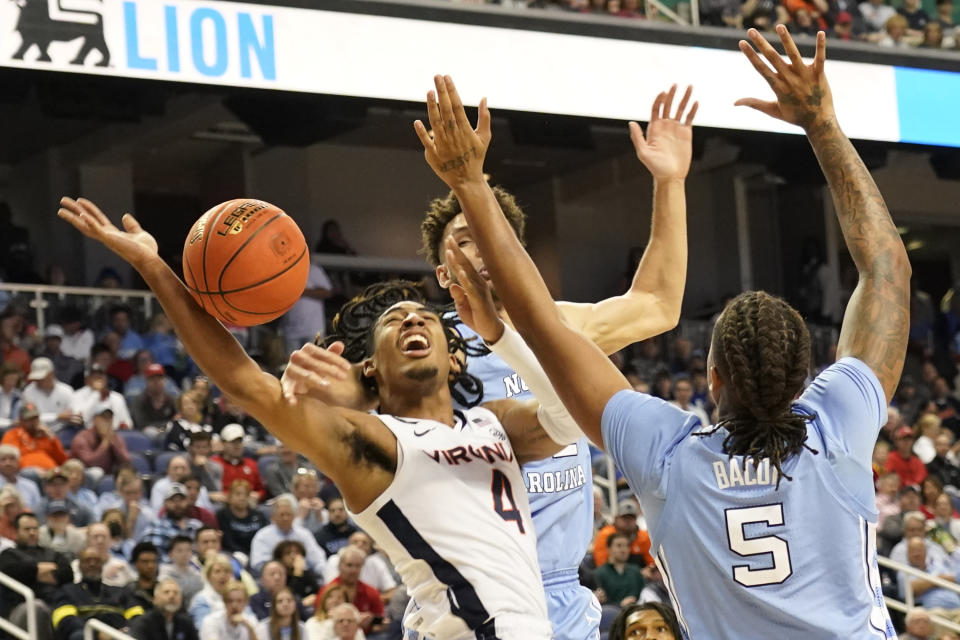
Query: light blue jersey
(740, 558)
(560, 491)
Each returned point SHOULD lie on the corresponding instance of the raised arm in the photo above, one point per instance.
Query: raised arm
(877, 320)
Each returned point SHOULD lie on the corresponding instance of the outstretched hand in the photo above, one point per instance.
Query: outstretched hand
(133, 244)
(803, 94)
(667, 149)
(325, 375)
(472, 296)
(453, 148)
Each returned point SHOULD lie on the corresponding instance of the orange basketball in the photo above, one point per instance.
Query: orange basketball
(245, 262)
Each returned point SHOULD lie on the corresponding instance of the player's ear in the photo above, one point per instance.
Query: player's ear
(714, 384)
(368, 368)
(443, 276)
(456, 365)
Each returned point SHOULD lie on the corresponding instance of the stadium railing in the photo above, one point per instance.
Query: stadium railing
(908, 602)
(30, 633)
(94, 626)
(44, 299)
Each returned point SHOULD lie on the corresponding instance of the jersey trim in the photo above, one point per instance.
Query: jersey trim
(464, 601)
(661, 562)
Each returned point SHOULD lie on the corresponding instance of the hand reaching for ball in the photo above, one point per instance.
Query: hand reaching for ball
(133, 244)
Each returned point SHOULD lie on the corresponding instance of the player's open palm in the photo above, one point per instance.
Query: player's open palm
(133, 244)
(803, 94)
(471, 295)
(453, 148)
(667, 148)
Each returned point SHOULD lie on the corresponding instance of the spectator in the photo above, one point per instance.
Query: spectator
(76, 491)
(77, 342)
(99, 445)
(58, 534)
(209, 544)
(10, 395)
(284, 621)
(902, 461)
(896, 32)
(53, 398)
(932, 36)
(888, 497)
(165, 621)
(919, 626)
(116, 572)
(320, 626)
(929, 427)
(303, 582)
(364, 597)
(875, 15)
(14, 357)
(945, 19)
(204, 468)
(683, 398)
(948, 407)
(236, 466)
(175, 520)
(56, 489)
(146, 561)
(67, 369)
(654, 590)
(91, 599)
(187, 421)
(130, 340)
(917, 18)
(929, 491)
(144, 369)
(914, 526)
(311, 514)
(925, 592)
(942, 465)
(305, 321)
(96, 395)
(648, 620)
(217, 574)
(237, 520)
(843, 26)
(154, 406)
(234, 621)
(945, 517)
(227, 412)
(163, 344)
(375, 572)
(336, 533)
(39, 449)
(273, 579)
(11, 505)
(178, 470)
(180, 569)
(283, 528)
(135, 511)
(620, 583)
(278, 476)
(42, 570)
(9, 467)
(625, 522)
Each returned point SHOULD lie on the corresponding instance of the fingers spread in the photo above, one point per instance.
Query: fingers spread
(636, 135)
(424, 136)
(684, 101)
(692, 114)
(668, 102)
(767, 50)
(483, 121)
(446, 110)
(789, 45)
(821, 56)
(758, 64)
(93, 210)
(655, 109)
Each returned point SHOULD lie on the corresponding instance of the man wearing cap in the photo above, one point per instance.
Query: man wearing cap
(178, 470)
(100, 446)
(155, 405)
(56, 487)
(66, 368)
(234, 465)
(38, 447)
(174, 521)
(58, 534)
(52, 397)
(625, 522)
(902, 461)
(95, 394)
(9, 475)
(146, 369)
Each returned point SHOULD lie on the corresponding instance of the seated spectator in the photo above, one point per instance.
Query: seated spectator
(888, 497)
(896, 32)
(843, 27)
(237, 520)
(283, 528)
(917, 18)
(187, 421)
(120, 324)
(947, 407)
(178, 470)
(336, 533)
(648, 620)
(117, 572)
(204, 468)
(300, 579)
(654, 590)
(174, 522)
(902, 461)
(683, 398)
(278, 476)
(236, 466)
(66, 368)
(209, 544)
(227, 412)
(945, 20)
(96, 395)
(53, 398)
(136, 514)
(945, 523)
(925, 592)
(10, 395)
(932, 36)
(273, 579)
(180, 569)
(103, 358)
(58, 534)
(77, 341)
(625, 522)
(283, 621)
(234, 621)
(144, 369)
(146, 561)
(344, 624)
(42, 570)
(10, 475)
(217, 574)
(153, 406)
(11, 505)
(364, 597)
(375, 572)
(915, 526)
(194, 489)
(91, 599)
(76, 486)
(320, 624)
(164, 621)
(919, 626)
(39, 449)
(929, 427)
(944, 464)
(99, 445)
(311, 514)
(875, 15)
(163, 343)
(930, 490)
(620, 583)
(55, 488)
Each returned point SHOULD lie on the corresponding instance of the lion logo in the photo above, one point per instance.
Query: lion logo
(36, 26)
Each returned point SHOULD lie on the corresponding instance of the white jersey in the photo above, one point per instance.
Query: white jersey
(456, 524)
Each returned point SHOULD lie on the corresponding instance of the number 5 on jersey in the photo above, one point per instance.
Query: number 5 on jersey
(774, 546)
(503, 494)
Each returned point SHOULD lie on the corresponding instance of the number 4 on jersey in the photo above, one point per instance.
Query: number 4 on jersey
(503, 494)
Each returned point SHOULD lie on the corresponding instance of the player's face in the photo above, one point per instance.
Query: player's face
(648, 625)
(410, 344)
(460, 232)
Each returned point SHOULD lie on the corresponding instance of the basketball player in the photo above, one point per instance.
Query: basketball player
(450, 520)
(738, 510)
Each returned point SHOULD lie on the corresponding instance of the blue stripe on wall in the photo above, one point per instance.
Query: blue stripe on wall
(929, 105)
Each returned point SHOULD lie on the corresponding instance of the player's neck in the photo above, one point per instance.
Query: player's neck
(403, 403)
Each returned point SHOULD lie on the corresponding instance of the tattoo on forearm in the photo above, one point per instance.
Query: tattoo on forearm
(460, 161)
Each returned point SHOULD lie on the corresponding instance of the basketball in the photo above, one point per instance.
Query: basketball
(245, 262)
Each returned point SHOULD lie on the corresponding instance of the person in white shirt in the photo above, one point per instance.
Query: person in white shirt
(76, 341)
(283, 528)
(53, 398)
(96, 392)
(306, 319)
(375, 571)
(233, 622)
(875, 15)
(178, 470)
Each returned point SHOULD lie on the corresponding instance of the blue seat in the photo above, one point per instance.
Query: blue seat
(162, 461)
(141, 464)
(136, 442)
(66, 435)
(106, 483)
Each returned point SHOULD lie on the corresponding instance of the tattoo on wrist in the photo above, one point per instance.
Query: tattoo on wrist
(460, 161)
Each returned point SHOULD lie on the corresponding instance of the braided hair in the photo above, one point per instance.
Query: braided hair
(354, 326)
(761, 348)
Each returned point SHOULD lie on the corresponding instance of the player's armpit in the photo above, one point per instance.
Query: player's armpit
(616, 323)
(527, 438)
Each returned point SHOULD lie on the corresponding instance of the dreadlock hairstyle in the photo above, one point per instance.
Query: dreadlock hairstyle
(354, 324)
(443, 210)
(761, 348)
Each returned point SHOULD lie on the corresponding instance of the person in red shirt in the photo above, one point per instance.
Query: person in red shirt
(902, 461)
(235, 466)
(625, 523)
(38, 447)
(361, 595)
